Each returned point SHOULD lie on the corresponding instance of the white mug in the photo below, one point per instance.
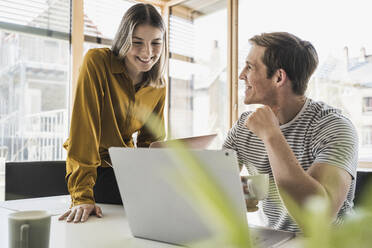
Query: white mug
(29, 229)
(258, 186)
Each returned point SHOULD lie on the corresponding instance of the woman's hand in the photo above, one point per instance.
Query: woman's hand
(81, 213)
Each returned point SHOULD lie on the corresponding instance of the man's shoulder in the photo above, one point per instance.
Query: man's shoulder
(323, 115)
(243, 116)
(322, 108)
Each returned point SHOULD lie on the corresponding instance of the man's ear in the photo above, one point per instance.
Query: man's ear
(281, 76)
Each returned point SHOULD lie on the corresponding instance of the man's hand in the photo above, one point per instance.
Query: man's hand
(250, 203)
(81, 213)
(263, 122)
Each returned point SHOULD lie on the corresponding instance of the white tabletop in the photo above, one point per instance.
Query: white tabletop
(111, 231)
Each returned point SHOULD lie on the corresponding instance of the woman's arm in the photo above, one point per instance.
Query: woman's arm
(154, 127)
(85, 131)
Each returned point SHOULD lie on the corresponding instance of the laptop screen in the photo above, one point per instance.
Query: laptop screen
(195, 142)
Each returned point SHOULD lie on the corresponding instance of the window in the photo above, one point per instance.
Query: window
(197, 69)
(101, 21)
(367, 104)
(34, 80)
(344, 75)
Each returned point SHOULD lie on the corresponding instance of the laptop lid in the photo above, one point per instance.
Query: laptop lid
(194, 142)
(154, 206)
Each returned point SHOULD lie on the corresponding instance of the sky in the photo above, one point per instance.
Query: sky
(329, 24)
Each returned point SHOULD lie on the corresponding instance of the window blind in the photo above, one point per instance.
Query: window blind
(181, 36)
(40, 17)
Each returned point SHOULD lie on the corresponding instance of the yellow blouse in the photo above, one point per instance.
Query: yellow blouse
(107, 111)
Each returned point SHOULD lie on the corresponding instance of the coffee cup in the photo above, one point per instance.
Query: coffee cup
(257, 186)
(29, 229)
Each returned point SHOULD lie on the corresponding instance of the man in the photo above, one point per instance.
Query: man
(307, 147)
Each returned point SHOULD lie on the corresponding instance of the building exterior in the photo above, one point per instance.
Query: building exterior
(346, 83)
(35, 82)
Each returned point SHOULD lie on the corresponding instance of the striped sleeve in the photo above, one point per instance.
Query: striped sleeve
(232, 136)
(336, 143)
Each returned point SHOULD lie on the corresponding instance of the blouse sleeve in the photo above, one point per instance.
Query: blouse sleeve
(85, 131)
(154, 128)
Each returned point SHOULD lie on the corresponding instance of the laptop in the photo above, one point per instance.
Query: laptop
(154, 206)
(194, 142)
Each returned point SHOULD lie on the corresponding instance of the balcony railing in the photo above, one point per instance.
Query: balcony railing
(34, 137)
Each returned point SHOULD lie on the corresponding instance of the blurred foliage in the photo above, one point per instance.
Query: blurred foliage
(314, 218)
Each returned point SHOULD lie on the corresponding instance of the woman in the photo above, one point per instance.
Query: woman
(117, 91)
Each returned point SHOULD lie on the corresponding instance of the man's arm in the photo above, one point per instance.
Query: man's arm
(289, 176)
(230, 143)
(321, 179)
(336, 182)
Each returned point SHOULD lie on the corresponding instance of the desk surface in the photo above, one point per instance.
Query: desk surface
(111, 231)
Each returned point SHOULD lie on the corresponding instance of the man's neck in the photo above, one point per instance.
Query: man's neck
(289, 107)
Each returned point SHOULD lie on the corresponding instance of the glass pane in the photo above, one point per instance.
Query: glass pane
(367, 135)
(197, 69)
(344, 44)
(33, 97)
(102, 17)
(42, 14)
(89, 45)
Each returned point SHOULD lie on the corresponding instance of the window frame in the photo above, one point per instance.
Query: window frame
(78, 38)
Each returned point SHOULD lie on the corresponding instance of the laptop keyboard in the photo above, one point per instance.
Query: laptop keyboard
(266, 238)
(258, 241)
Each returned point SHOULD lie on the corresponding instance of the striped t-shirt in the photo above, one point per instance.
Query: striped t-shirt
(318, 134)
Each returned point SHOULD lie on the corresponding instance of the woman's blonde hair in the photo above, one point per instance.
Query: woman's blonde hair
(140, 14)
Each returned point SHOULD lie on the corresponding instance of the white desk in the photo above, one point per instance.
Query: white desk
(111, 231)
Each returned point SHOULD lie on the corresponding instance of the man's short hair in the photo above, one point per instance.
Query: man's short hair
(298, 58)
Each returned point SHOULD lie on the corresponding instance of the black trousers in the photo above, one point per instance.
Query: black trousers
(106, 188)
